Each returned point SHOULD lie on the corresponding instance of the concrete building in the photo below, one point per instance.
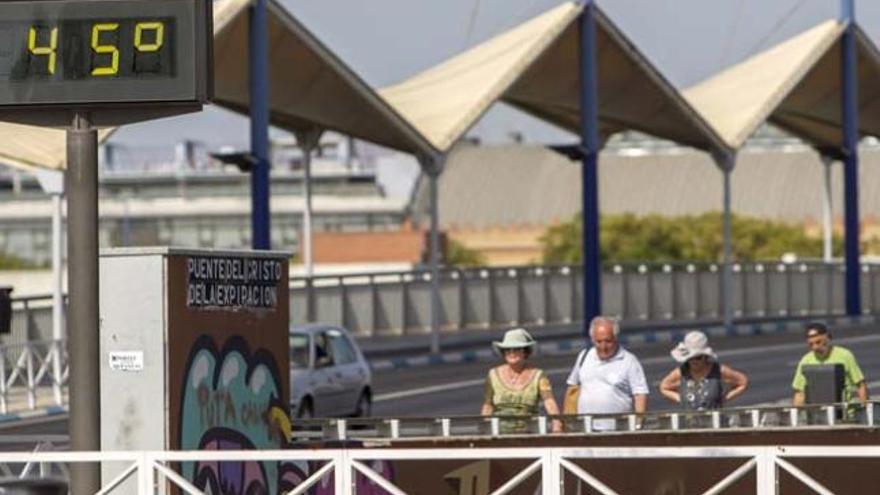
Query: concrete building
(182, 197)
(499, 200)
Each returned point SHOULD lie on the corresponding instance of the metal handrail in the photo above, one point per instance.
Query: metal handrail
(839, 415)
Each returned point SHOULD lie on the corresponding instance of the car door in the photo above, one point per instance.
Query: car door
(301, 369)
(347, 370)
(324, 379)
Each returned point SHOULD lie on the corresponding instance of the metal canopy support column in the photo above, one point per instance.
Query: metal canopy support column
(82, 241)
(592, 289)
(261, 237)
(307, 141)
(432, 168)
(726, 164)
(827, 211)
(850, 117)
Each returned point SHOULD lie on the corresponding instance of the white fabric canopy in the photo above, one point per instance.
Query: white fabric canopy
(536, 67)
(310, 88)
(795, 85)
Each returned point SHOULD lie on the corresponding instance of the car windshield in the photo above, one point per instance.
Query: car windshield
(299, 351)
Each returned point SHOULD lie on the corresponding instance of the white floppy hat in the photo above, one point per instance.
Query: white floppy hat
(695, 344)
(518, 338)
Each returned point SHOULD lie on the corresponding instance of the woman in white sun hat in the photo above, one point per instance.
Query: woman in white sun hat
(516, 388)
(698, 382)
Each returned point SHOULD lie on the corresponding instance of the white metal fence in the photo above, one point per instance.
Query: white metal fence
(33, 374)
(148, 473)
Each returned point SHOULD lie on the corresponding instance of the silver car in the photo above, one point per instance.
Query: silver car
(329, 376)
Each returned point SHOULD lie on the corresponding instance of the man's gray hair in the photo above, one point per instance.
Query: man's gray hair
(614, 322)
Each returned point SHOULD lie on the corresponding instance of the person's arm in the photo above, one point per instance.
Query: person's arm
(488, 408)
(639, 387)
(669, 386)
(640, 403)
(799, 384)
(737, 380)
(856, 376)
(863, 392)
(550, 406)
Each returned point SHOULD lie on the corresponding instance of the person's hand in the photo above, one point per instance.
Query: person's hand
(556, 426)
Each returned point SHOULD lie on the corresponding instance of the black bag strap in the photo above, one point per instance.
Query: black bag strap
(581, 357)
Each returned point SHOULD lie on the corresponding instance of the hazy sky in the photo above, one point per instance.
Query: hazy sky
(386, 41)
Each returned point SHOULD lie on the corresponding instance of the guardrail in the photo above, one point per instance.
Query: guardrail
(489, 297)
(397, 303)
(738, 419)
(347, 469)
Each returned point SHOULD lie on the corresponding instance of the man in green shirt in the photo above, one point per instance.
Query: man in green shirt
(822, 351)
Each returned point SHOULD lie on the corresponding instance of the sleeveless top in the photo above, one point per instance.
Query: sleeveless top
(508, 401)
(700, 394)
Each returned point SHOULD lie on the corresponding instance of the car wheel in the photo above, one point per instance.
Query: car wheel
(364, 405)
(306, 410)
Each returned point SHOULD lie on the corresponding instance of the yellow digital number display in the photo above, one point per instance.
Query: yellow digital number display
(100, 49)
(49, 51)
(157, 28)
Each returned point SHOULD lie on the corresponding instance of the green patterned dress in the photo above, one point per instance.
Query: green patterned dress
(507, 401)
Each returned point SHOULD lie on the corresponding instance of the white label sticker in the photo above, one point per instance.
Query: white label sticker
(127, 360)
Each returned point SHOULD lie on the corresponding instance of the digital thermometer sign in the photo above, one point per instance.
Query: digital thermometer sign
(100, 55)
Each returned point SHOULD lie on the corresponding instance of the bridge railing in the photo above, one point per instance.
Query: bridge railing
(731, 419)
(372, 304)
(556, 468)
(489, 297)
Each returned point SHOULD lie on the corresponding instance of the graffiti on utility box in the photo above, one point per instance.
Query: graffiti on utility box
(228, 364)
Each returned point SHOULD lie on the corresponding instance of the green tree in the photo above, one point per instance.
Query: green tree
(10, 262)
(458, 254)
(627, 237)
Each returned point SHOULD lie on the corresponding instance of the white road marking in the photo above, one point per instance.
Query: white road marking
(428, 390)
(645, 362)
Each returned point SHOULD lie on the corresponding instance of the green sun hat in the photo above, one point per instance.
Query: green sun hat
(518, 338)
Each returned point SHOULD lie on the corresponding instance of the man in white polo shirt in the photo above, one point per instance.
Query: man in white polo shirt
(610, 378)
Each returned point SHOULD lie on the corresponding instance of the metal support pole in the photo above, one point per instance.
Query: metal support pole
(827, 213)
(82, 241)
(435, 267)
(850, 117)
(57, 296)
(306, 247)
(726, 164)
(261, 237)
(432, 167)
(52, 182)
(592, 290)
(307, 142)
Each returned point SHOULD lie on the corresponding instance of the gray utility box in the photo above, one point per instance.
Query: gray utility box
(193, 355)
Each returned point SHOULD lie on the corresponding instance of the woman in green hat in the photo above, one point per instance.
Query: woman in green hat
(515, 388)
